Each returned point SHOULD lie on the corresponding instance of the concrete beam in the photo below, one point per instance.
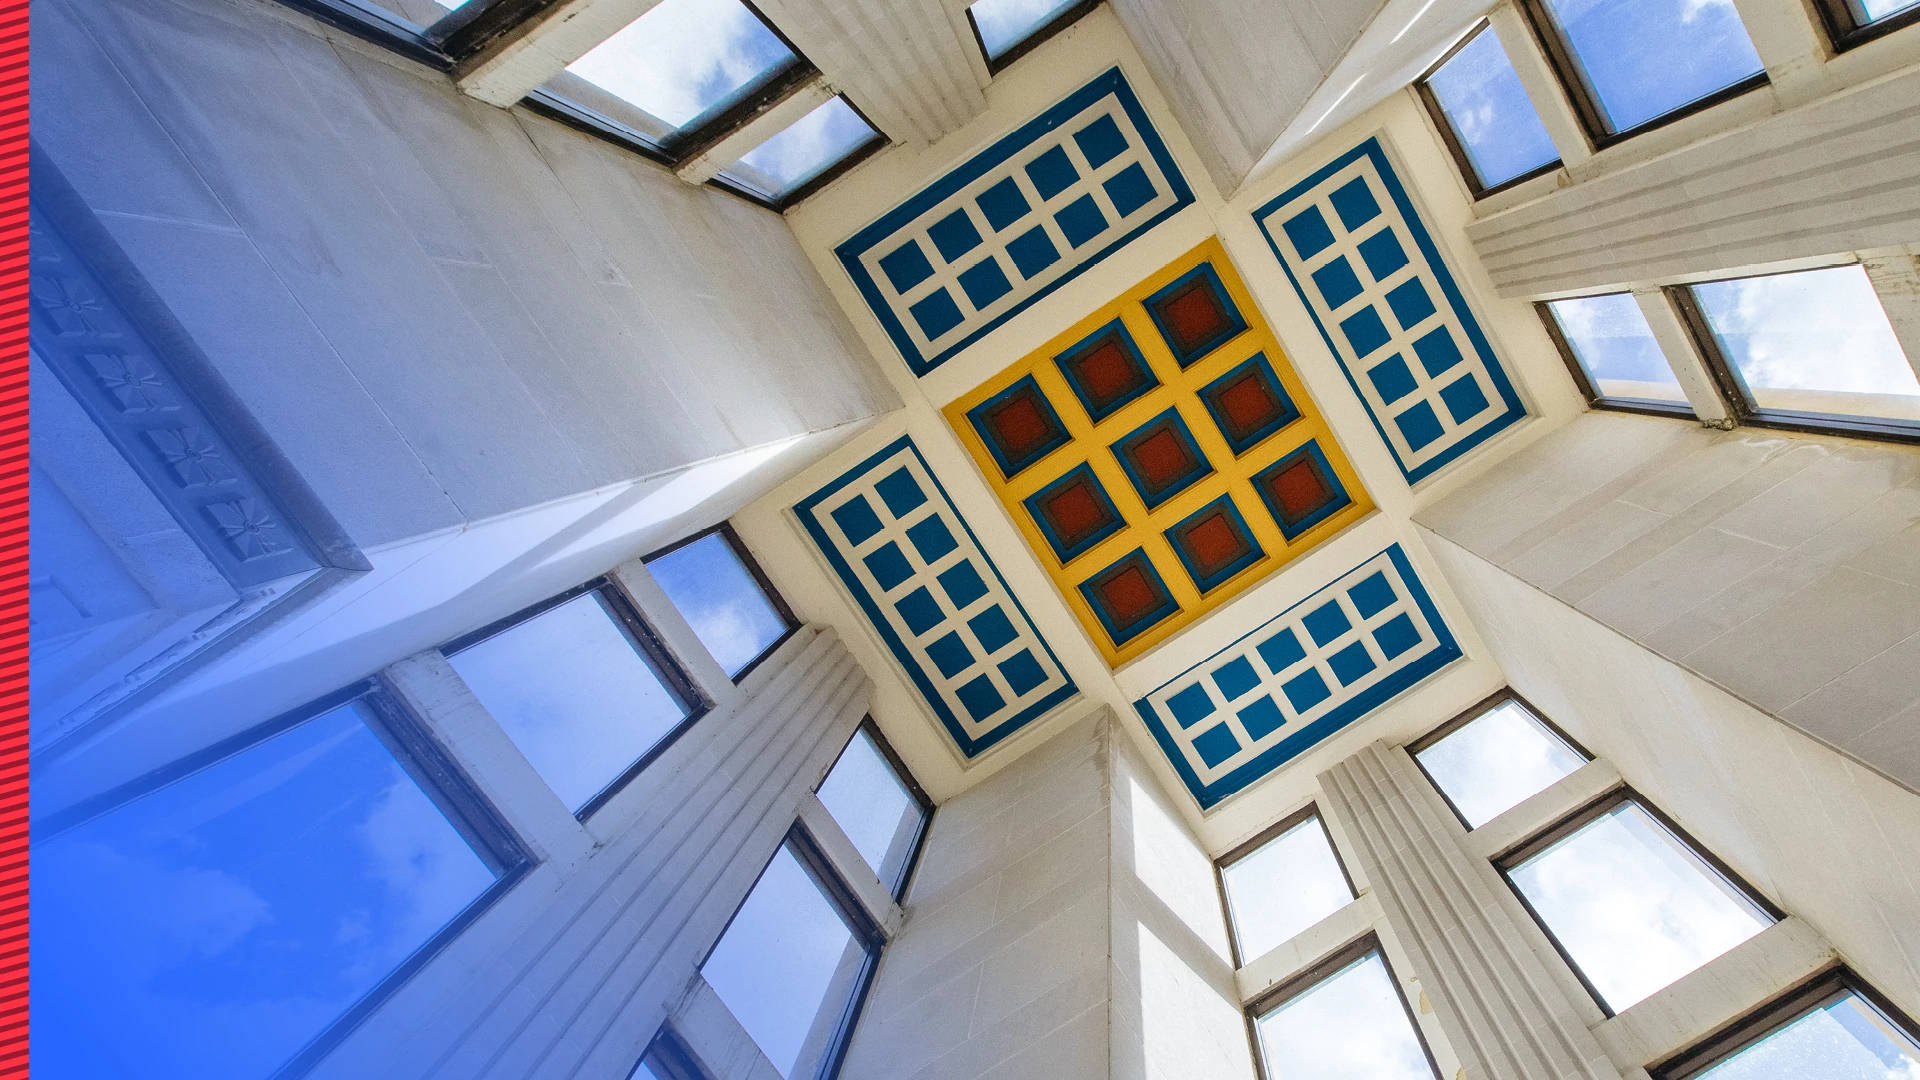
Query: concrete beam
(1543, 87)
(1688, 366)
(542, 46)
(737, 143)
(1896, 278)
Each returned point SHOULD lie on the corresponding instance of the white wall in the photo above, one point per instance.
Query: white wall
(1785, 568)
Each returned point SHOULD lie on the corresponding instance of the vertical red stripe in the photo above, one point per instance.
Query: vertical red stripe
(13, 537)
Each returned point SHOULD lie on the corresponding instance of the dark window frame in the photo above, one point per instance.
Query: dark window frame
(646, 644)
(1035, 39)
(1310, 810)
(457, 797)
(828, 175)
(1739, 400)
(1584, 380)
(897, 889)
(1318, 972)
(462, 35)
(1506, 861)
(759, 575)
(1469, 715)
(1756, 1024)
(1567, 68)
(861, 925)
(1451, 138)
(1845, 29)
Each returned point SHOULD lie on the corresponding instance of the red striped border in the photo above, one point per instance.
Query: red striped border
(13, 539)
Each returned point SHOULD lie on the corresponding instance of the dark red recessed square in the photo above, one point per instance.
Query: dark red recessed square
(1106, 370)
(1248, 404)
(1074, 513)
(1300, 490)
(1128, 597)
(1195, 315)
(1161, 458)
(1214, 543)
(1018, 426)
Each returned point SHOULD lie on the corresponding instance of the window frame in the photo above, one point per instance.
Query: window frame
(897, 890)
(1506, 860)
(1318, 972)
(1774, 1014)
(468, 34)
(818, 180)
(1038, 37)
(1259, 840)
(670, 1054)
(1584, 381)
(646, 643)
(456, 795)
(1474, 712)
(740, 551)
(1451, 138)
(1567, 68)
(1845, 31)
(1732, 387)
(861, 924)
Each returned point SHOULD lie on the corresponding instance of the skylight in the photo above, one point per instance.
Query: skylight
(734, 615)
(1817, 341)
(1843, 1038)
(1496, 760)
(1487, 110)
(1004, 24)
(1874, 10)
(1643, 59)
(1283, 887)
(683, 62)
(803, 150)
(1613, 344)
(874, 807)
(1632, 905)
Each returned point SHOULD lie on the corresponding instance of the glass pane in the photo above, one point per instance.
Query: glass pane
(574, 694)
(1875, 10)
(1645, 58)
(641, 1072)
(1845, 1039)
(680, 63)
(1349, 1026)
(786, 965)
(719, 597)
(214, 926)
(803, 150)
(1493, 762)
(1634, 906)
(873, 807)
(1610, 337)
(1286, 885)
(1490, 113)
(1816, 341)
(1006, 23)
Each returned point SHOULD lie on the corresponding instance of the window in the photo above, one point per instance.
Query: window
(1834, 1028)
(666, 1059)
(1009, 29)
(583, 690)
(1489, 760)
(1810, 349)
(877, 804)
(806, 153)
(1630, 902)
(1341, 1021)
(239, 913)
(1485, 116)
(1856, 22)
(672, 74)
(1637, 63)
(794, 963)
(725, 597)
(1612, 353)
(1282, 882)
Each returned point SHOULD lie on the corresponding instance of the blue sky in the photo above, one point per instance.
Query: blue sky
(1491, 113)
(1649, 57)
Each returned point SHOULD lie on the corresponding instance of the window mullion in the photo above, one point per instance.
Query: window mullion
(1686, 356)
(674, 632)
(846, 863)
(1791, 46)
(725, 147)
(513, 65)
(1544, 89)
